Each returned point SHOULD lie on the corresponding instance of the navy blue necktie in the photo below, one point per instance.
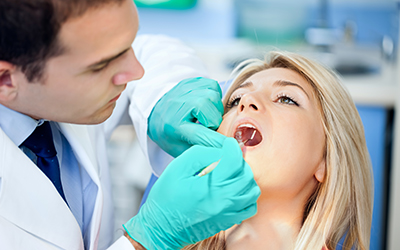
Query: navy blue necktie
(40, 142)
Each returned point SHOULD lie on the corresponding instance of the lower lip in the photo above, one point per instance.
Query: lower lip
(251, 147)
(115, 98)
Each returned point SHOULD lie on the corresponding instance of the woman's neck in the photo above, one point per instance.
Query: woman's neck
(275, 226)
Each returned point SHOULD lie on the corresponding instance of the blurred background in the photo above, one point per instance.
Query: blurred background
(357, 38)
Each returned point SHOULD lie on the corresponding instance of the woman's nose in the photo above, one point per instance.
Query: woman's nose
(249, 103)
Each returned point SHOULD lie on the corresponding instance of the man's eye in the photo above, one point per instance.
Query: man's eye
(99, 67)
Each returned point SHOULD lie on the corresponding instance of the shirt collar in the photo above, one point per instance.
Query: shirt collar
(17, 126)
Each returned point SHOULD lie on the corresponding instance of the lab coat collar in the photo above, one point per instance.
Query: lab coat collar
(83, 142)
(27, 196)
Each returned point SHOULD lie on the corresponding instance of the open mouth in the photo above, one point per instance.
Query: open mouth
(248, 134)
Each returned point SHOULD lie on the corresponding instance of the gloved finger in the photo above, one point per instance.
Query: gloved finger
(246, 213)
(208, 113)
(197, 134)
(232, 162)
(216, 98)
(243, 200)
(206, 83)
(239, 192)
(190, 84)
(242, 183)
(236, 217)
(194, 159)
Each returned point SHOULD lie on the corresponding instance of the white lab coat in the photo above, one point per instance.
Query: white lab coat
(32, 214)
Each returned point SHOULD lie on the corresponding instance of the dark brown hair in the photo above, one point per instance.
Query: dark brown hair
(29, 30)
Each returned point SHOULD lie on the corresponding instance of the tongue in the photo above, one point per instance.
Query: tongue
(244, 134)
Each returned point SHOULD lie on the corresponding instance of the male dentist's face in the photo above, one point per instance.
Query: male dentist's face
(83, 84)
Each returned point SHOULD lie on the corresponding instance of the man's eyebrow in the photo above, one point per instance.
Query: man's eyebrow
(283, 83)
(107, 60)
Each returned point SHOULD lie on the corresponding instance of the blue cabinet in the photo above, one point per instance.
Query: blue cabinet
(375, 120)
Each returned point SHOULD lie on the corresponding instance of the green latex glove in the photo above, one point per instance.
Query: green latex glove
(182, 208)
(172, 122)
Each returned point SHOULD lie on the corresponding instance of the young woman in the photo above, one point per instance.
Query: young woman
(305, 143)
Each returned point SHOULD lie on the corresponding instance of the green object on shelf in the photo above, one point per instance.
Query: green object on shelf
(262, 21)
(166, 4)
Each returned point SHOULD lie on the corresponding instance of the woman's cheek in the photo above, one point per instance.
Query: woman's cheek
(223, 127)
(254, 167)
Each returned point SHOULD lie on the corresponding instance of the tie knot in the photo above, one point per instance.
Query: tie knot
(41, 142)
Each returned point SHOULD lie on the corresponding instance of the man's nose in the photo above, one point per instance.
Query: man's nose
(131, 69)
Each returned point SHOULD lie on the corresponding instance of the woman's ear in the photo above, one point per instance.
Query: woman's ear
(320, 172)
(8, 88)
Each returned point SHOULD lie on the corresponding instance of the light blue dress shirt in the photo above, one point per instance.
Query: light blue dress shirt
(79, 189)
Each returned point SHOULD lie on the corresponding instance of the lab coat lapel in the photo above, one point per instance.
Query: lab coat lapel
(29, 200)
(82, 141)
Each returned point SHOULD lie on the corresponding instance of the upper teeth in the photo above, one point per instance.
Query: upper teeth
(248, 125)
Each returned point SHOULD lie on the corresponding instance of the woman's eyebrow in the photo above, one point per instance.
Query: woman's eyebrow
(245, 85)
(283, 83)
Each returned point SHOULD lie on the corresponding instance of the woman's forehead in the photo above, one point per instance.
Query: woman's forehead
(268, 78)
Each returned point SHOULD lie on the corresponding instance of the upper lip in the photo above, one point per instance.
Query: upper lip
(117, 96)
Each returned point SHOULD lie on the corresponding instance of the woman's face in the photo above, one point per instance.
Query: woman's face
(278, 109)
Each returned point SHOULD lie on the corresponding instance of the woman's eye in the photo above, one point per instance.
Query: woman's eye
(236, 101)
(233, 102)
(287, 100)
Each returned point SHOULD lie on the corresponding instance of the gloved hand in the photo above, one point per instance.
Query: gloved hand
(182, 208)
(172, 122)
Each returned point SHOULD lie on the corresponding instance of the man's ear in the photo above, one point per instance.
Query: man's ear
(8, 87)
(320, 172)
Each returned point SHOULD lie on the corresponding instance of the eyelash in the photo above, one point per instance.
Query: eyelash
(232, 100)
(282, 96)
(100, 68)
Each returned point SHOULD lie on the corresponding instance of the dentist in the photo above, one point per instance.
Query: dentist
(64, 69)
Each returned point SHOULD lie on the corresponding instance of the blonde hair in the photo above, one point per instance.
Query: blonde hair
(342, 203)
